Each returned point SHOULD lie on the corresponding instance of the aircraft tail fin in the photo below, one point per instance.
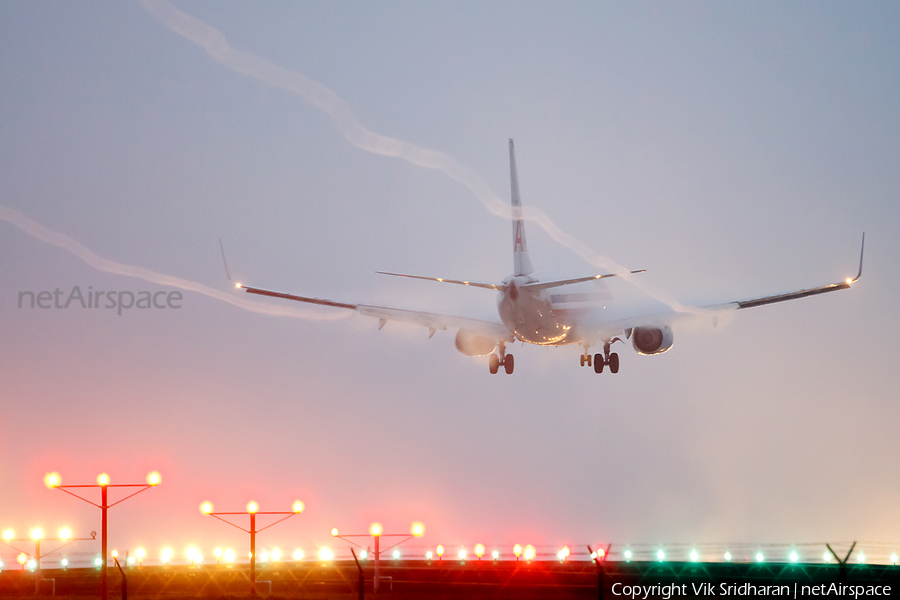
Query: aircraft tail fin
(521, 261)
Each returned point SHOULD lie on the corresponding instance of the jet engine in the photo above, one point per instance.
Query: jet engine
(652, 340)
(471, 343)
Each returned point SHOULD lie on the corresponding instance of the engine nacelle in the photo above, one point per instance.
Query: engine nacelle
(652, 340)
(471, 343)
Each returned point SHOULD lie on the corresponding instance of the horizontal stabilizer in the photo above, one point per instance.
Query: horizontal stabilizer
(489, 286)
(542, 285)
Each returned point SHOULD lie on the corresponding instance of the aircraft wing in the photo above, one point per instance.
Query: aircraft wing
(668, 316)
(433, 321)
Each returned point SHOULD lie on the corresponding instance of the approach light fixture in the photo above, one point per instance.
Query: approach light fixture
(529, 552)
(428, 555)
(627, 555)
(375, 530)
(102, 479)
(417, 530)
(793, 556)
(462, 554)
(660, 555)
(276, 554)
(893, 559)
(22, 558)
(440, 551)
(826, 557)
(495, 555)
(153, 478)
(297, 506)
(229, 555)
(252, 507)
(334, 532)
(8, 534)
(479, 551)
(37, 534)
(325, 554)
(728, 557)
(65, 534)
(517, 550)
(206, 508)
(298, 554)
(861, 558)
(52, 480)
(694, 556)
(64, 562)
(165, 556)
(396, 554)
(759, 557)
(98, 562)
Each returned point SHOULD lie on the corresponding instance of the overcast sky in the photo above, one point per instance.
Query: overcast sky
(732, 150)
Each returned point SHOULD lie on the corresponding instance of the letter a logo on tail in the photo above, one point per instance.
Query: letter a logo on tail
(519, 242)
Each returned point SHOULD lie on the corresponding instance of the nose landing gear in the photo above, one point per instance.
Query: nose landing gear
(504, 359)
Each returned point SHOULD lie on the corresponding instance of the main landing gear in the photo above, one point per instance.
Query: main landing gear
(599, 361)
(504, 359)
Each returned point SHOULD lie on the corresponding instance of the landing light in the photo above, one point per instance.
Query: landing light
(237, 285)
(849, 281)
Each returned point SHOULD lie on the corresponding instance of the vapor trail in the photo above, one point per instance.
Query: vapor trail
(213, 41)
(37, 230)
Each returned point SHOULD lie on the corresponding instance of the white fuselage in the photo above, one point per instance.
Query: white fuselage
(530, 316)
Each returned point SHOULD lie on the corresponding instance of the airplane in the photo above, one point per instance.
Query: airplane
(536, 312)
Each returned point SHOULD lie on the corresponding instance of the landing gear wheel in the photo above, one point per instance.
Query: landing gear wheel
(598, 363)
(494, 364)
(613, 363)
(582, 360)
(508, 364)
(585, 360)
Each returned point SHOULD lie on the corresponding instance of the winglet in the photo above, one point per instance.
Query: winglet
(862, 249)
(224, 262)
